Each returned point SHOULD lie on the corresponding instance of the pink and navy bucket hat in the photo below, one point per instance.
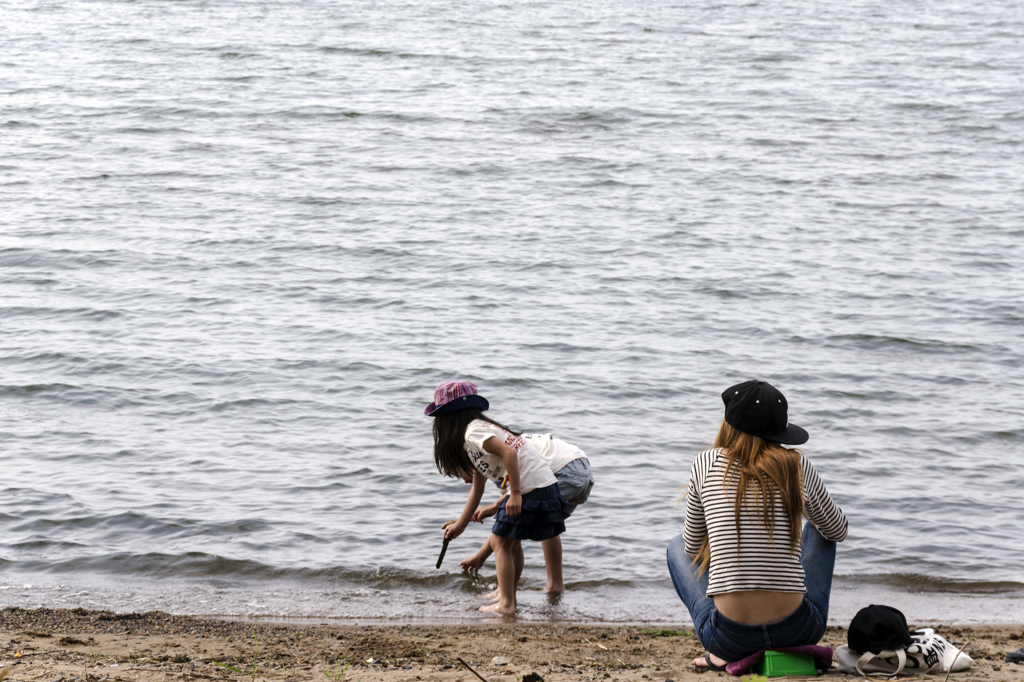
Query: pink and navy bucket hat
(453, 396)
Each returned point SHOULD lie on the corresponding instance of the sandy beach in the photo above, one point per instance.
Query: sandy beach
(57, 645)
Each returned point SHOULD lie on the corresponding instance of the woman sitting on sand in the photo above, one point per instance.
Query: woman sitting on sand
(741, 566)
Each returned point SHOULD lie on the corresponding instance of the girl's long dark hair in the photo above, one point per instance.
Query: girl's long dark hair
(450, 454)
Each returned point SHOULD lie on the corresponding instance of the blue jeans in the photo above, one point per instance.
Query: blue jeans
(732, 641)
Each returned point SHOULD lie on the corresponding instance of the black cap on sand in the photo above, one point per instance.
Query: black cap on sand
(878, 628)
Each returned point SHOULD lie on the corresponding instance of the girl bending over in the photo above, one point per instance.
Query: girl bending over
(475, 448)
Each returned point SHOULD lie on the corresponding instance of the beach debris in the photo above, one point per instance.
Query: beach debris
(664, 632)
(966, 644)
(470, 669)
(500, 660)
(532, 677)
(71, 641)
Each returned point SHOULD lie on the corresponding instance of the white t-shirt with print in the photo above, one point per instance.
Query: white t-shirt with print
(555, 451)
(534, 472)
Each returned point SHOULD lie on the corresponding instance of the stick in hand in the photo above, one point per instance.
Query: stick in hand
(444, 547)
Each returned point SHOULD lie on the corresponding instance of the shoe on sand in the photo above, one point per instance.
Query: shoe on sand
(708, 665)
(1016, 656)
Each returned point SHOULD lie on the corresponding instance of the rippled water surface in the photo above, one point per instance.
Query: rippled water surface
(241, 242)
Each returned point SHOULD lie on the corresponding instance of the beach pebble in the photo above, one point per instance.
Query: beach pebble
(500, 660)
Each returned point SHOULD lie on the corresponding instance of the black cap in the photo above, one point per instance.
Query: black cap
(760, 409)
(877, 629)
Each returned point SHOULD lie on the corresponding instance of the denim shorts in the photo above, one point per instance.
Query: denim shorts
(575, 481)
(732, 641)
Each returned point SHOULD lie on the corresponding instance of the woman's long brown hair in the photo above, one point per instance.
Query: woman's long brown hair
(761, 470)
(450, 456)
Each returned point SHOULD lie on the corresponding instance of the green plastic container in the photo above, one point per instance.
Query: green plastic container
(778, 664)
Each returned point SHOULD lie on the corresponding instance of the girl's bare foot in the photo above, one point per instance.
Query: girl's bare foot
(493, 596)
(498, 608)
(555, 588)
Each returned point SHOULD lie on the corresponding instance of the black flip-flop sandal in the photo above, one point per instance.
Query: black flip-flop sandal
(708, 665)
(1016, 656)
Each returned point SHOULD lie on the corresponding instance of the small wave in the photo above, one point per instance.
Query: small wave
(374, 52)
(877, 342)
(33, 389)
(58, 258)
(779, 57)
(926, 583)
(198, 565)
(246, 403)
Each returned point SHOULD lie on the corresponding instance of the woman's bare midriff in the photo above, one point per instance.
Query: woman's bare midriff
(757, 607)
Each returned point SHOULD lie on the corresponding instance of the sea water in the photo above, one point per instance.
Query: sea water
(241, 242)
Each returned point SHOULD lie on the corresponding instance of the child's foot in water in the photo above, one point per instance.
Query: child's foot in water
(498, 608)
(492, 596)
(554, 589)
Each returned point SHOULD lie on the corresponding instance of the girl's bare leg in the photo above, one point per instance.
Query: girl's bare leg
(520, 560)
(485, 551)
(553, 562)
(505, 563)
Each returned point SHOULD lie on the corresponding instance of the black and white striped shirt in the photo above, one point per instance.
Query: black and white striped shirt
(758, 564)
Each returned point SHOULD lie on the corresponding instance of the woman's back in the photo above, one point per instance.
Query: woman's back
(756, 559)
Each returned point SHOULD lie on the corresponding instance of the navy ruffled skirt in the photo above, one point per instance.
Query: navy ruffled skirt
(543, 516)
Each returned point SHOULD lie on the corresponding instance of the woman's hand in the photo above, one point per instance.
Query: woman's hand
(514, 504)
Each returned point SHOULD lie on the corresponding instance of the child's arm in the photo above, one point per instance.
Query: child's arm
(490, 510)
(511, 460)
(472, 502)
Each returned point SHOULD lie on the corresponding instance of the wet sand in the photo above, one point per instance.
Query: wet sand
(54, 645)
